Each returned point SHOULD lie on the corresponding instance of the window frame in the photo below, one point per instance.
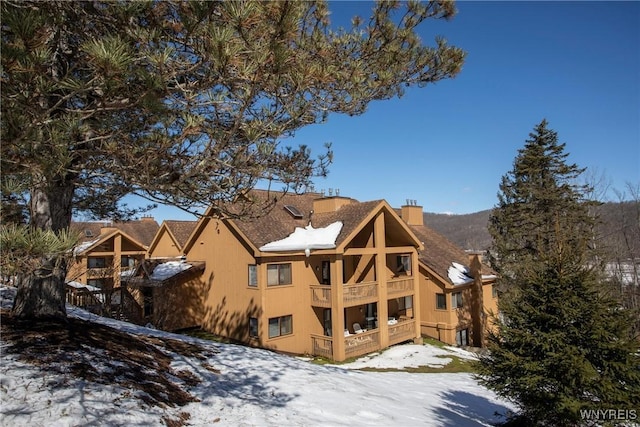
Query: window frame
(402, 302)
(279, 267)
(325, 272)
(252, 273)
(462, 337)
(456, 300)
(94, 259)
(403, 263)
(254, 331)
(282, 325)
(99, 283)
(443, 299)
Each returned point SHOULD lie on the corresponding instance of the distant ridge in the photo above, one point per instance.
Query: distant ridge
(469, 231)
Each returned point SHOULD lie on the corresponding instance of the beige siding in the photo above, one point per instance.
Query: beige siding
(165, 246)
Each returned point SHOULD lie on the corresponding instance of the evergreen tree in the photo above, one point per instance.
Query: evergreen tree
(185, 103)
(560, 345)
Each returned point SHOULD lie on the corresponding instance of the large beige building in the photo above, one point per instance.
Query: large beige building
(457, 290)
(109, 251)
(327, 276)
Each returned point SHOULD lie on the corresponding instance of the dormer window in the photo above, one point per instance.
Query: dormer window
(88, 233)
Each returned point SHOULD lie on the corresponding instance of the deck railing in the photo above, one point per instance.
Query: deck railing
(352, 294)
(359, 293)
(400, 285)
(402, 331)
(321, 296)
(113, 302)
(359, 344)
(322, 346)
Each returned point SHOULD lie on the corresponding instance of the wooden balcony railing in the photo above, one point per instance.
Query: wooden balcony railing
(367, 342)
(359, 344)
(322, 346)
(402, 331)
(100, 272)
(400, 285)
(321, 296)
(359, 293)
(353, 294)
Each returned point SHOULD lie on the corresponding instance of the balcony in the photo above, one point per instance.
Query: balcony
(359, 293)
(352, 294)
(100, 272)
(359, 344)
(404, 330)
(355, 345)
(321, 296)
(400, 286)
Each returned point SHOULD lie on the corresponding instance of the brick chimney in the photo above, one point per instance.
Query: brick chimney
(147, 218)
(411, 213)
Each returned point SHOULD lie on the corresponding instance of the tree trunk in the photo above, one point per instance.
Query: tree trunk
(41, 292)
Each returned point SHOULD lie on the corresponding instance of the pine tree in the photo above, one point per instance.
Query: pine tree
(185, 102)
(561, 344)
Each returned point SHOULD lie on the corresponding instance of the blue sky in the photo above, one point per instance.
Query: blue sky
(577, 64)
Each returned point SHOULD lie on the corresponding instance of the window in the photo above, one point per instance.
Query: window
(326, 273)
(253, 327)
(253, 275)
(98, 283)
(441, 302)
(456, 300)
(278, 274)
(405, 302)
(279, 326)
(127, 262)
(404, 264)
(326, 317)
(94, 262)
(494, 291)
(462, 338)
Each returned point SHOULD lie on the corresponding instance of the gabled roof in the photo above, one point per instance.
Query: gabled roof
(279, 223)
(179, 232)
(140, 232)
(439, 253)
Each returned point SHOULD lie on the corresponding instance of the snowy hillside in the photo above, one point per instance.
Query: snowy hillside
(203, 383)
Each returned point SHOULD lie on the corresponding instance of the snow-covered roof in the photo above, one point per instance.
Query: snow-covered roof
(79, 285)
(459, 274)
(84, 246)
(304, 239)
(169, 269)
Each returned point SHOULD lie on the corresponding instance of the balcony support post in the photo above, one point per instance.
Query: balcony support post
(381, 277)
(415, 271)
(337, 310)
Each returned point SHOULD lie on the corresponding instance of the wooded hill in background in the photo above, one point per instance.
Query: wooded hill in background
(619, 228)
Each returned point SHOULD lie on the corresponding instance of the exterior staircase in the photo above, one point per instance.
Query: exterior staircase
(116, 303)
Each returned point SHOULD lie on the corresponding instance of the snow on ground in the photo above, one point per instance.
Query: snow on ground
(409, 356)
(253, 387)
